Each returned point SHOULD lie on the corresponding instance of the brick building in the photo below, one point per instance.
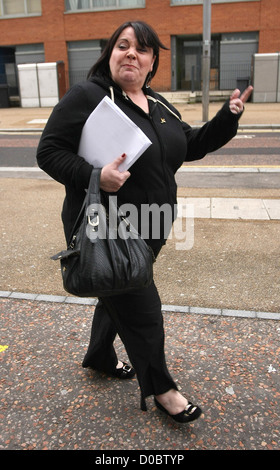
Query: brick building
(75, 31)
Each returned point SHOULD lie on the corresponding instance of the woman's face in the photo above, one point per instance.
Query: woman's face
(129, 62)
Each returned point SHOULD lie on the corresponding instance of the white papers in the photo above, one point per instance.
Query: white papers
(108, 133)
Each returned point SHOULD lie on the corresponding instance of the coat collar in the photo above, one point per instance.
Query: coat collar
(110, 86)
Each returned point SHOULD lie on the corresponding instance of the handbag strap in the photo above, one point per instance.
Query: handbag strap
(92, 196)
(94, 182)
(93, 192)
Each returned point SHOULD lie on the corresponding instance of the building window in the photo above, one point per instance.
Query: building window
(81, 5)
(81, 56)
(231, 56)
(29, 53)
(189, 63)
(14, 8)
(185, 2)
(199, 2)
(236, 52)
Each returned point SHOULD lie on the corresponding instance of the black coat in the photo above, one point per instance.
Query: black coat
(152, 176)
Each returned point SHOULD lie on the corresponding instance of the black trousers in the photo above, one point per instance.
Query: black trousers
(137, 319)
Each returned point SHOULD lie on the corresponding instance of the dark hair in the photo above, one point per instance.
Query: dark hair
(146, 37)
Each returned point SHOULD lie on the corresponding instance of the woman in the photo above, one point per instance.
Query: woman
(123, 72)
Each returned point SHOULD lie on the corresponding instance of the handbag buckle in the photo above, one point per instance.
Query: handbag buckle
(92, 215)
(72, 244)
(93, 221)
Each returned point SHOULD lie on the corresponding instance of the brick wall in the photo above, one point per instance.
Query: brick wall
(54, 28)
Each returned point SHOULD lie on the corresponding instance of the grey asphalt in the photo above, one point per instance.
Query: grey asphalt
(221, 305)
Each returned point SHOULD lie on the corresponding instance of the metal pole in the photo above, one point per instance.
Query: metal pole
(206, 57)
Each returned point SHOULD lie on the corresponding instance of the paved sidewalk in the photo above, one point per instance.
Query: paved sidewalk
(221, 308)
(229, 208)
(230, 366)
(234, 214)
(256, 115)
(197, 207)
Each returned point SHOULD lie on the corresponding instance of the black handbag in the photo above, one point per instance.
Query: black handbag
(104, 259)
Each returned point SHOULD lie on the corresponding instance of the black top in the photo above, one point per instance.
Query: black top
(152, 175)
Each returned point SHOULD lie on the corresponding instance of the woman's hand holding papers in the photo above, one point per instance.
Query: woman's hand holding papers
(111, 178)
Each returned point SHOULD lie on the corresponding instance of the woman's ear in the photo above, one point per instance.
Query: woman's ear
(152, 64)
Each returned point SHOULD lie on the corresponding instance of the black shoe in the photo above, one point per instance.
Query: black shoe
(124, 372)
(190, 413)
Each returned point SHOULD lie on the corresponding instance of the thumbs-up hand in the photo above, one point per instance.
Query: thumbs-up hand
(111, 178)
